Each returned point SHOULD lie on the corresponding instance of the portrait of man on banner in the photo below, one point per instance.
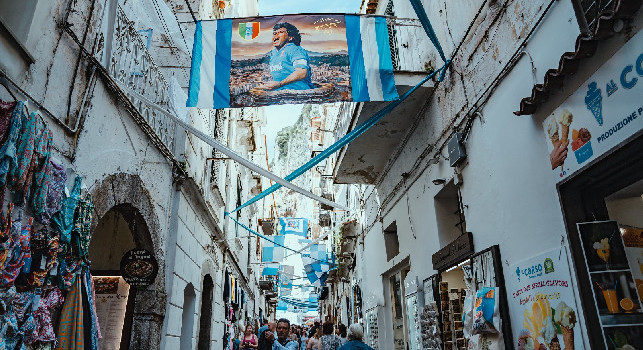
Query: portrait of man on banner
(289, 59)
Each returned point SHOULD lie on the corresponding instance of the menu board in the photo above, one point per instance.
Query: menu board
(413, 322)
(111, 303)
(371, 336)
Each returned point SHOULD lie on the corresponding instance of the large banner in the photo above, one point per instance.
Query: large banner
(542, 307)
(295, 59)
(605, 111)
(295, 226)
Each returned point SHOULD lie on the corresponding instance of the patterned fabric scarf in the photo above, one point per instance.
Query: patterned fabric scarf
(71, 332)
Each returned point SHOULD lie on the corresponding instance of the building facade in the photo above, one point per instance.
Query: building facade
(468, 190)
(107, 78)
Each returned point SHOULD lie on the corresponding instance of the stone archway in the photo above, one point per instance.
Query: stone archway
(126, 196)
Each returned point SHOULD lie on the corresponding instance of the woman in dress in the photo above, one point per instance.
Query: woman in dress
(249, 340)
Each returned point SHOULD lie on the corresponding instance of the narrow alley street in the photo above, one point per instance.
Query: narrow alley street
(321, 175)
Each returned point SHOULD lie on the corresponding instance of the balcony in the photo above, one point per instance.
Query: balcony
(362, 161)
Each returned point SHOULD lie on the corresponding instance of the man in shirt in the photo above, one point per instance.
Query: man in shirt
(289, 62)
(283, 342)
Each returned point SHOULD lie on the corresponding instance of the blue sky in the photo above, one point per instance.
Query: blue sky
(281, 7)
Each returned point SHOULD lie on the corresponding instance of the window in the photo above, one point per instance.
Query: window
(187, 325)
(449, 214)
(391, 242)
(16, 18)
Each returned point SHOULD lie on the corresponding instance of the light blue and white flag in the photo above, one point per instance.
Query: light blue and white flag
(318, 251)
(295, 226)
(235, 62)
(273, 252)
(282, 306)
(370, 59)
(271, 269)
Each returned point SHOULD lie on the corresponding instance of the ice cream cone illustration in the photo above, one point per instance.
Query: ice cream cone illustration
(568, 337)
(552, 132)
(593, 101)
(565, 121)
(565, 317)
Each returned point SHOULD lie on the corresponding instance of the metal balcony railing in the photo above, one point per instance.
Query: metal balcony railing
(133, 68)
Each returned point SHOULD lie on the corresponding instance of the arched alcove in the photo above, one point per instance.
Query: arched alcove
(187, 318)
(205, 318)
(124, 219)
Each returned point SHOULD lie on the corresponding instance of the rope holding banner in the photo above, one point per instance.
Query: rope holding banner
(428, 28)
(271, 241)
(346, 139)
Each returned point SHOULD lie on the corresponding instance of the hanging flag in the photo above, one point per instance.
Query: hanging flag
(318, 251)
(273, 252)
(290, 59)
(285, 278)
(295, 226)
(281, 305)
(316, 269)
(271, 269)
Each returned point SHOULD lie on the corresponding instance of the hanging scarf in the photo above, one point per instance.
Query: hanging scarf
(71, 335)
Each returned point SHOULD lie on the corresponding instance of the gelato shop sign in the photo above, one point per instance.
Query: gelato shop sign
(604, 112)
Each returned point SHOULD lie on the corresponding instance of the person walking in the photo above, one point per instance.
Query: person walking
(355, 335)
(342, 333)
(282, 341)
(314, 343)
(329, 341)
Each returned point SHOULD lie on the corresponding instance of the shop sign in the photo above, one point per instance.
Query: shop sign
(455, 251)
(542, 306)
(139, 267)
(605, 111)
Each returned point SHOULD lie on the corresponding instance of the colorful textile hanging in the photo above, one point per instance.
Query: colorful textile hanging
(71, 331)
(295, 226)
(291, 59)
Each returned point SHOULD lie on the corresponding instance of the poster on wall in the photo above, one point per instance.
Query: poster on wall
(111, 303)
(246, 62)
(542, 306)
(606, 110)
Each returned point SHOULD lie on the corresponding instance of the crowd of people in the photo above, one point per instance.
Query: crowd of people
(281, 335)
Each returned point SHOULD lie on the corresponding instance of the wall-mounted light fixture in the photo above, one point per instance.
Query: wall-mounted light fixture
(439, 182)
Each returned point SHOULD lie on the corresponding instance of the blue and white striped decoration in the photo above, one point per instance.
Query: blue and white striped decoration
(271, 269)
(369, 53)
(295, 226)
(211, 60)
(273, 252)
(371, 67)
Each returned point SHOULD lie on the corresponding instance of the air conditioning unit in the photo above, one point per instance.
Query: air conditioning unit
(324, 220)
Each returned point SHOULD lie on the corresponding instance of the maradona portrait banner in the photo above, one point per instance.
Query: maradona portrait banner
(294, 59)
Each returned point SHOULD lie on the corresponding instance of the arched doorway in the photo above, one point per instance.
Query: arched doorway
(205, 320)
(125, 219)
(121, 229)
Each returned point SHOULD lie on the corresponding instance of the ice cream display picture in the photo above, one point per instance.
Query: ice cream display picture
(542, 304)
(601, 114)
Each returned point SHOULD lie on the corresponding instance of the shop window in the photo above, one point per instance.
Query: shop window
(391, 242)
(16, 18)
(205, 321)
(187, 319)
(449, 214)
